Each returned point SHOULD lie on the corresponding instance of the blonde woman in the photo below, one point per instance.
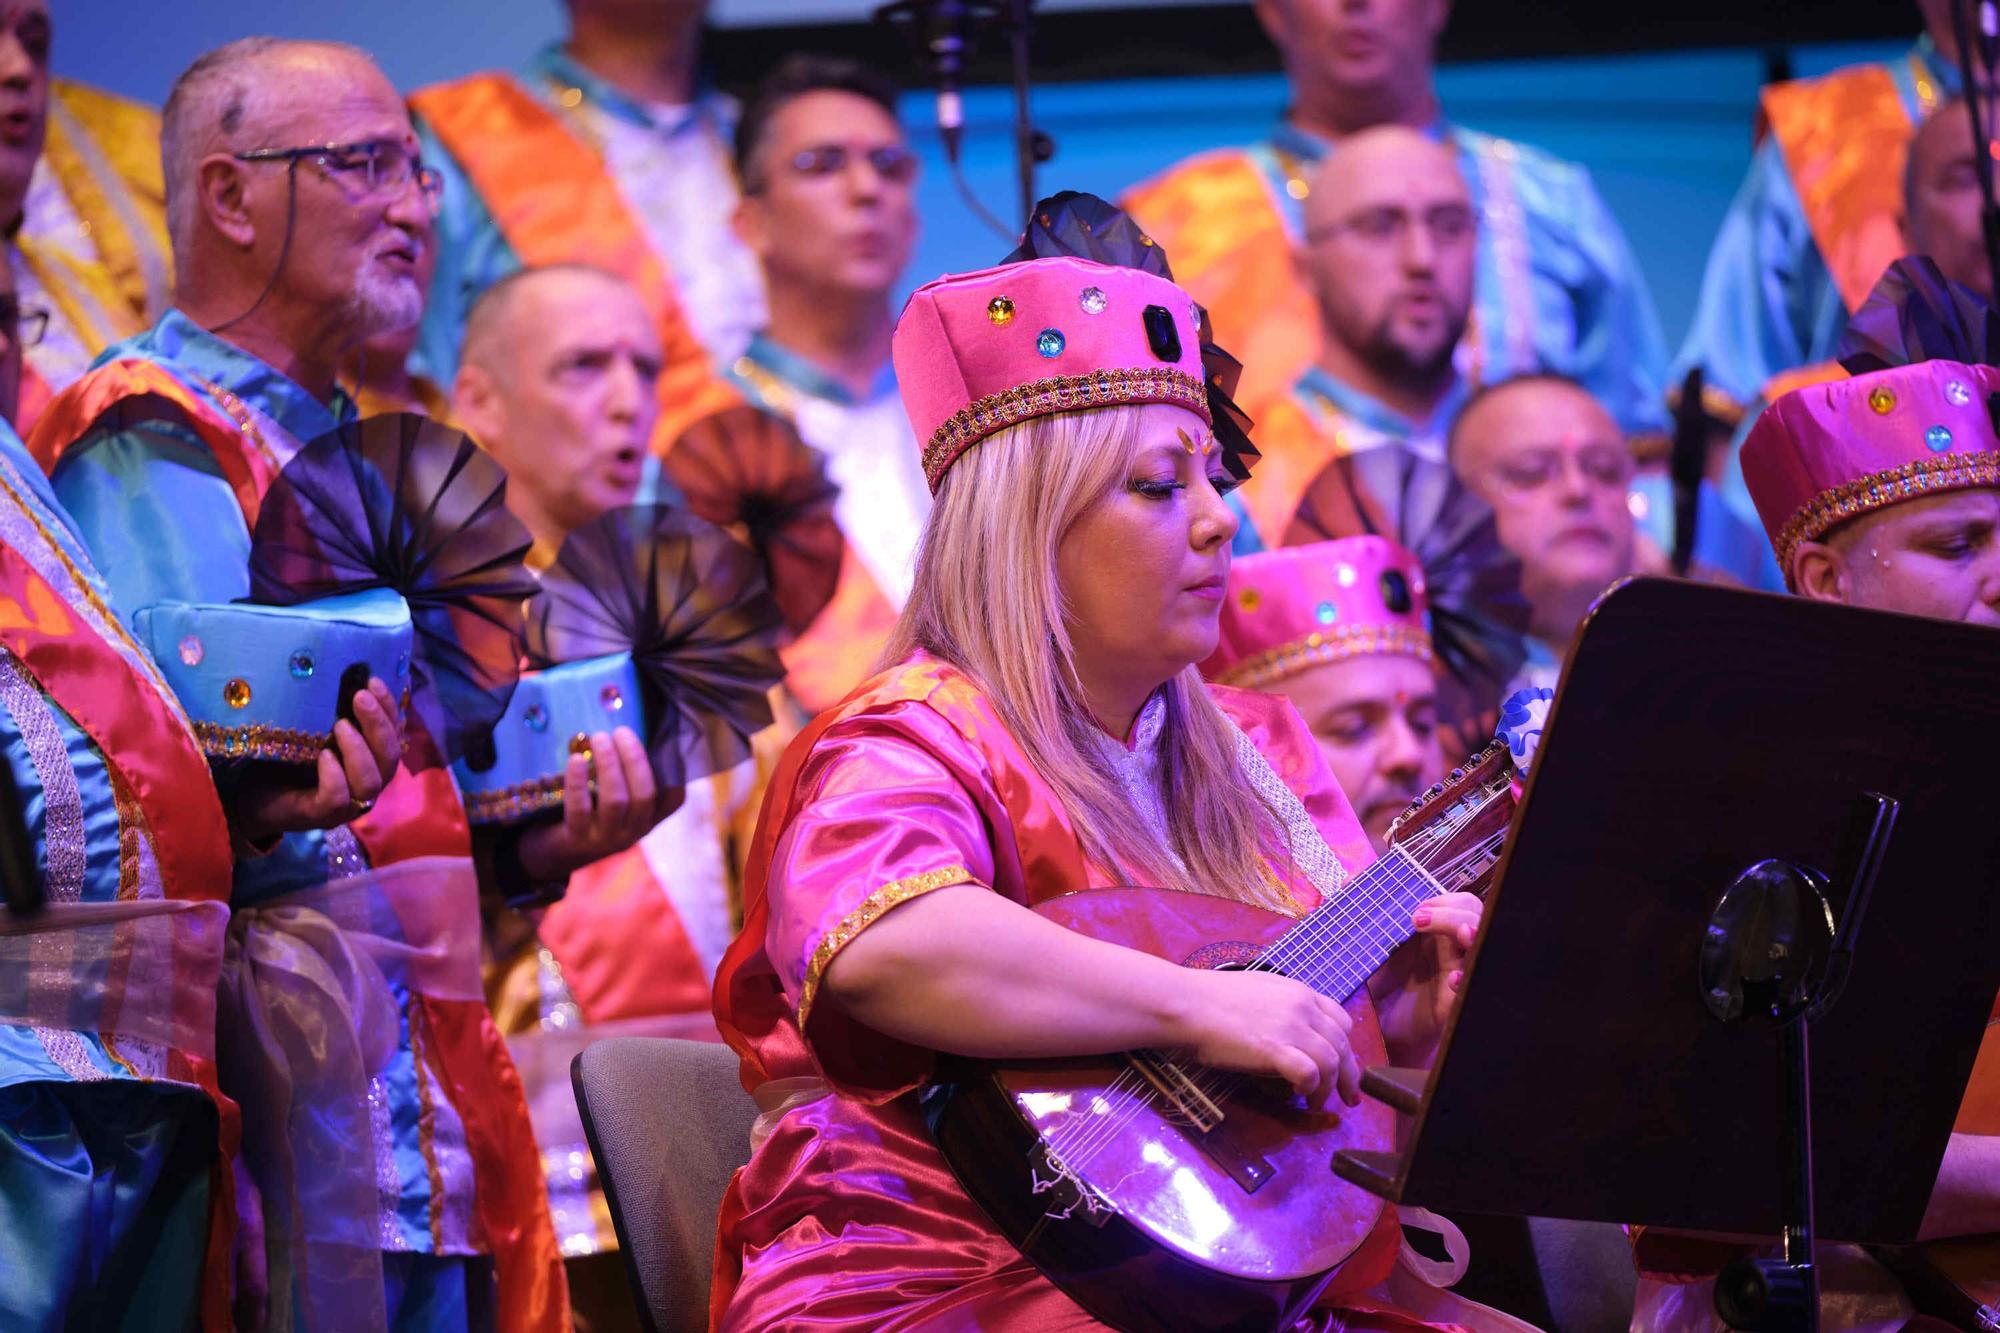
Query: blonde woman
(1040, 728)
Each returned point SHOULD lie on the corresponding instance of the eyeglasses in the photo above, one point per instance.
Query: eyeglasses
(377, 169)
(27, 326)
(1446, 223)
(892, 162)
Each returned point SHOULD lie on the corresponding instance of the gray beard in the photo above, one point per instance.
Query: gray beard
(376, 307)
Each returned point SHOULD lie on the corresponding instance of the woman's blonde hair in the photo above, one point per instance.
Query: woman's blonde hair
(987, 600)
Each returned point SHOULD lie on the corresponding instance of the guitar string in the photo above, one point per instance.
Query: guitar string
(1079, 1148)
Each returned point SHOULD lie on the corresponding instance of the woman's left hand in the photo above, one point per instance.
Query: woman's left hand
(1417, 989)
(610, 801)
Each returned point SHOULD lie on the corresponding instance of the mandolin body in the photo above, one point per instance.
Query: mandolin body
(1185, 1219)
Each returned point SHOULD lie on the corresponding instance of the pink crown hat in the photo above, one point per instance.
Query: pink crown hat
(978, 352)
(1295, 608)
(1821, 455)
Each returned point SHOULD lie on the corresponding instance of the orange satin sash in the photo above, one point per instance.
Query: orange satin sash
(135, 390)
(1231, 250)
(839, 649)
(555, 202)
(1845, 138)
(152, 755)
(623, 950)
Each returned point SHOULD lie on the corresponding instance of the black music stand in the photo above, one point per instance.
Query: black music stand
(1698, 732)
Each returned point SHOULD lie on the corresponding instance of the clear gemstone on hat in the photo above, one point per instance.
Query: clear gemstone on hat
(1093, 300)
(537, 718)
(1000, 310)
(302, 664)
(1956, 391)
(191, 651)
(236, 693)
(1882, 400)
(1326, 613)
(1051, 342)
(1344, 575)
(1938, 438)
(1249, 599)
(612, 698)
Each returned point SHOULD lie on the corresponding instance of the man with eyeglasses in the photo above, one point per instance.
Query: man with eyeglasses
(1558, 287)
(1550, 460)
(299, 210)
(605, 149)
(1388, 252)
(828, 209)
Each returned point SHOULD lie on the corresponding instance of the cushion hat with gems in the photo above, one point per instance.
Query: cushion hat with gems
(978, 352)
(268, 682)
(1824, 454)
(384, 546)
(650, 618)
(1294, 608)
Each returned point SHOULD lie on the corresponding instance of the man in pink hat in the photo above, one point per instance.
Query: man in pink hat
(1340, 628)
(1881, 491)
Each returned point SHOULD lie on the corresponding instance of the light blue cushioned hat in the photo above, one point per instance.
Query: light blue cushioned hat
(266, 682)
(553, 714)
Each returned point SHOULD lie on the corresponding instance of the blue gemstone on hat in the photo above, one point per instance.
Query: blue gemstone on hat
(1956, 391)
(302, 664)
(537, 718)
(1326, 613)
(402, 664)
(1938, 438)
(1051, 342)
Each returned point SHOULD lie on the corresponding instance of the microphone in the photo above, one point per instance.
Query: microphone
(944, 25)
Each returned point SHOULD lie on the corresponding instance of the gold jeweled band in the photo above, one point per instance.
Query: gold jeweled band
(260, 742)
(505, 805)
(876, 903)
(1335, 645)
(1059, 393)
(1863, 495)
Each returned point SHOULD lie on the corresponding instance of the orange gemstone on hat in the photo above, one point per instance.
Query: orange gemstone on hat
(1000, 310)
(1882, 399)
(1249, 598)
(236, 694)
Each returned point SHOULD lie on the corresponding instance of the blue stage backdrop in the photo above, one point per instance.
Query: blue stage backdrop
(1666, 135)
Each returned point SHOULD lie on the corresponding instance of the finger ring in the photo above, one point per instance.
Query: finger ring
(363, 807)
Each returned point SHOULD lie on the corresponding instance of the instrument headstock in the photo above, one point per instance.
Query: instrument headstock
(1457, 829)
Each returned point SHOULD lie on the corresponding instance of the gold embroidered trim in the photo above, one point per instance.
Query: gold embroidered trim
(1335, 645)
(260, 742)
(504, 805)
(1059, 393)
(1864, 495)
(888, 896)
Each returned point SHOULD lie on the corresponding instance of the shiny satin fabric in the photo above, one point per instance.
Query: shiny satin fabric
(309, 1018)
(847, 1215)
(144, 970)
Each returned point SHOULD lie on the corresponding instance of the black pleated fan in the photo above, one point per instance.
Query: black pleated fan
(690, 603)
(1479, 616)
(398, 501)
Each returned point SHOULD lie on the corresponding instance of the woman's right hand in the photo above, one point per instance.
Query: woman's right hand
(1269, 1024)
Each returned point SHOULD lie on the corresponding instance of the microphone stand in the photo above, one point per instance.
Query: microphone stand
(1979, 106)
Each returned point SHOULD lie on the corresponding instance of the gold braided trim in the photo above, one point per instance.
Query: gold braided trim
(1878, 490)
(1059, 393)
(260, 742)
(505, 805)
(889, 895)
(1335, 645)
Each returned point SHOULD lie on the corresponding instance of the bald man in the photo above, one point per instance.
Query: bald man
(298, 208)
(1388, 254)
(1941, 199)
(1555, 467)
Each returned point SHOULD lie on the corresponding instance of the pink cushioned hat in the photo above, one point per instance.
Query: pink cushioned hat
(1295, 608)
(1821, 455)
(977, 352)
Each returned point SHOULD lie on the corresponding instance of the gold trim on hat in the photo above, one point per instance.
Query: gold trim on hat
(1322, 646)
(1879, 490)
(1059, 393)
(506, 805)
(259, 741)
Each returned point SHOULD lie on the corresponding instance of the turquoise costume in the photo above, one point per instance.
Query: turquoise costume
(150, 493)
(108, 1140)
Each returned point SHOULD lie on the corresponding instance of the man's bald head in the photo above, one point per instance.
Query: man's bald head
(1390, 241)
(557, 380)
(237, 89)
(1941, 198)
